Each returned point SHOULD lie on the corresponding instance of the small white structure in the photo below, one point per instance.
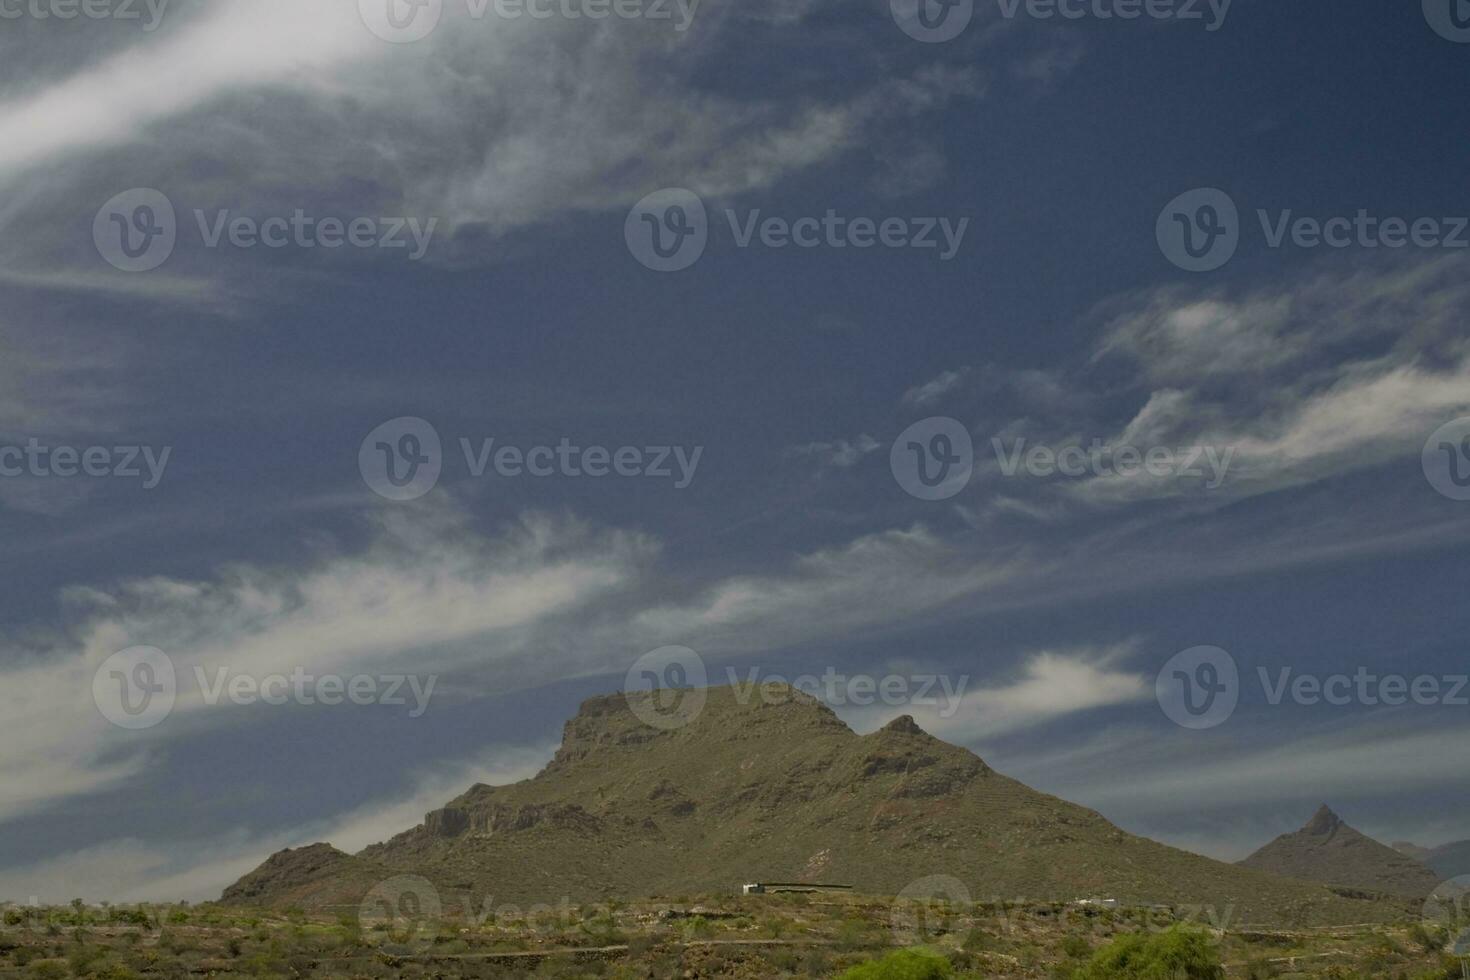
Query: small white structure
(1096, 903)
(799, 887)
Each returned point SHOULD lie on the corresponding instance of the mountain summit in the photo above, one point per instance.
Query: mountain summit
(752, 787)
(1326, 849)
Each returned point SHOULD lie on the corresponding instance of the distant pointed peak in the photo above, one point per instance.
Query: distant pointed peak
(1324, 821)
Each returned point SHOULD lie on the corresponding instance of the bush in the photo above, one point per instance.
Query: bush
(1178, 954)
(904, 964)
(1076, 947)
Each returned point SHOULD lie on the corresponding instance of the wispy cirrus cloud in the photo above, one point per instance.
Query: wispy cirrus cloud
(930, 392)
(422, 598)
(841, 453)
(198, 869)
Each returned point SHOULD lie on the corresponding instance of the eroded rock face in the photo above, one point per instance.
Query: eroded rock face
(448, 822)
(495, 818)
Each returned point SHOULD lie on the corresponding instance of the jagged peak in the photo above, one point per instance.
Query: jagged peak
(1323, 822)
(904, 725)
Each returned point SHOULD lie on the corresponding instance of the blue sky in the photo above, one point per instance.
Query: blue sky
(1055, 144)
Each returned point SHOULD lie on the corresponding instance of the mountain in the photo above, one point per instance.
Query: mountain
(1411, 850)
(1329, 851)
(775, 787)
(1446, 861)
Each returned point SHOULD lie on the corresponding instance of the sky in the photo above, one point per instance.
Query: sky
(1093, 374)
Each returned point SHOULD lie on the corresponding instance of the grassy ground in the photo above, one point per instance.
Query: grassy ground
(729, 937)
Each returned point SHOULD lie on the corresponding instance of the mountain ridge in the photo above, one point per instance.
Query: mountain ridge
(774, 786)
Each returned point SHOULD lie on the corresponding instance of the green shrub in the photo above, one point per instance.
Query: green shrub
(903, 964)
(1177, 954)
(1076, 947)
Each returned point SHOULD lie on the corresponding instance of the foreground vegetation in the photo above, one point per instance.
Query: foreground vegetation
(846, 937)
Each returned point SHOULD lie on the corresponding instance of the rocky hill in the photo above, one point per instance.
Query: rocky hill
(776, 789)
(1329, 851)
(1447, 861)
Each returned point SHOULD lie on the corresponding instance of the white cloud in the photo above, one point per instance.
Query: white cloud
(1049, 685)
(840, 453)
(931, 392)
(240, 43)
(494, 123)
(425, 596)
(1376, 361)
(198, 869)
(878, 579)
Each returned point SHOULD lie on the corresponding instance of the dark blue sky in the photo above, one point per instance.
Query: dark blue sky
(794, 548)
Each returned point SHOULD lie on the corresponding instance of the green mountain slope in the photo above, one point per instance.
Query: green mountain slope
(753, 789)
